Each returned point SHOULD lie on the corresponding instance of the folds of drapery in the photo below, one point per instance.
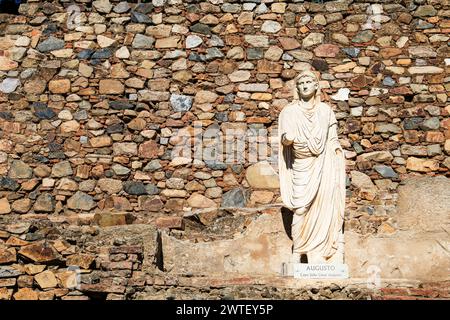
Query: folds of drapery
(312, 175)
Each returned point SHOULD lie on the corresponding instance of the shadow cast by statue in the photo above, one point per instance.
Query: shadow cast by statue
(287, 216)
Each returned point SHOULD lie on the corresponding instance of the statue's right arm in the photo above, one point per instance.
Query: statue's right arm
(286, 139)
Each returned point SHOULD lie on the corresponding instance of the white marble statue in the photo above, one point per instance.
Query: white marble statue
(312, 174)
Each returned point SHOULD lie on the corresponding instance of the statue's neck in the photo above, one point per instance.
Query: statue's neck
(307, 104)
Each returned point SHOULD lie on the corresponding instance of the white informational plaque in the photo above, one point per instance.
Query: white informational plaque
(320, 271)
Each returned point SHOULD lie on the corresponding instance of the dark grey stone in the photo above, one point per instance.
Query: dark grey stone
(215, 165)
(138, 17)
(144, 8)
(320, 64)
(153, 165)
(85, 54)
(42, 111)
(51, 28)
(229, 98)
(196, 57)
(255, 53)
(116, 128)
(33, 237)
(214, 53)
(221, 116)
(50, 44)
(81, 115)
(235, 198)
(352, 52)
(358, 148)
(134, 188)
(6, 115)
(201, 28)
(151, 189)
(56, 155)
(430, 124)
(363, 36)
(104, 53)
(53, 146)
(120, 105)
(237, 168)
(422, 25)
(385, 171)
(40, 158)
(7, 183)
(412, 123)
(231, 8)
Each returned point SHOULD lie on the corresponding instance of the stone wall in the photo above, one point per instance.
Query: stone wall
(96, 96)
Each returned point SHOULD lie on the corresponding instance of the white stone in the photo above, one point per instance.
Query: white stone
(180, 161)
(103, 6)
(402, 41)
(341, 95)
(159, 3)
(356, 112)
(23, 41)
(377, 91)
(438, 38)
(254, 87)
(157, 18)
(65, 115)
(262, 8)
(48, 182)
(193, 41)
(270, 26)
(425, 70)
(8, 85)
(257, 40)
(239, 76)
(121, 7)
(105, 42)
(313, 39)
(248, 6)
(123, 53)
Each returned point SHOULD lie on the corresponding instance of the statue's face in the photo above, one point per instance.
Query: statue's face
(307, 87)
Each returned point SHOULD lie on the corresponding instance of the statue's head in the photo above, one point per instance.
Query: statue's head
(306, 86)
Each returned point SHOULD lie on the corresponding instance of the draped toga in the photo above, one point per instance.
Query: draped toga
(312, 176)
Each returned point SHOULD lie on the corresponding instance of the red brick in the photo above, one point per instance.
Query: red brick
(424, 292)
(394, 291)
(396, 297)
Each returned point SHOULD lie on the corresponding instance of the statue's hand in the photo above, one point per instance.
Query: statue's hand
(286, 139)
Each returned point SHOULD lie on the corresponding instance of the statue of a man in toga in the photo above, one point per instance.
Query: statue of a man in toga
(312, 173)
